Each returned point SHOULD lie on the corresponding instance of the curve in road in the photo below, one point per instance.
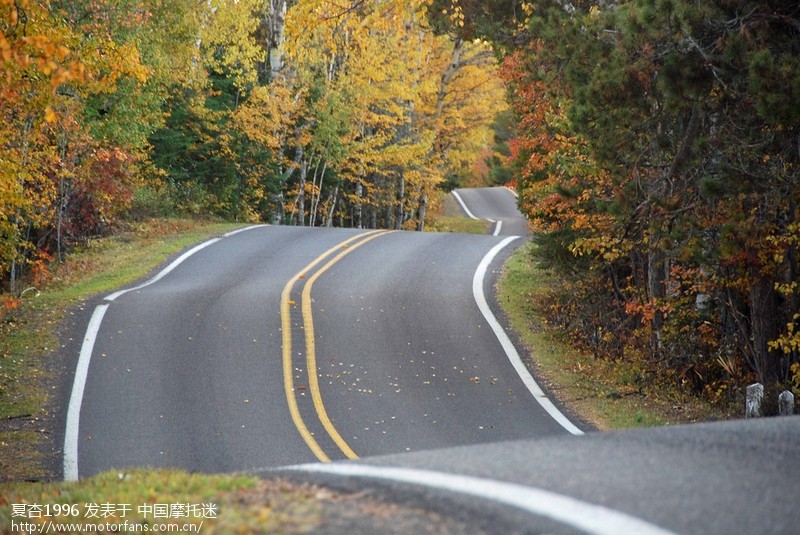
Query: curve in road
(212, 365)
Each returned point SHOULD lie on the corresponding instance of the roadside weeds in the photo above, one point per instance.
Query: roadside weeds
(604, 393)
(173, 500)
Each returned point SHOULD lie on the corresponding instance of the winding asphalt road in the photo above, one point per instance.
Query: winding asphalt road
(278, 347)
(497, 205)
(283, 345)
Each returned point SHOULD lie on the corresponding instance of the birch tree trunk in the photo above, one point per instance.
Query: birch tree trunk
(423, 209)
(301, 195)
(334, 199)
(448, 75)
(275, 21)
(317, 193)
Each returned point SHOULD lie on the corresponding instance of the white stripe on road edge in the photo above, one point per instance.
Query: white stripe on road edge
(164, 271)
(82, 369)
(463, 206)
(498, 224)
(237, 231)
(497, 228)
(588, 517)
(178, 261)
(508, 346)
(76, 398)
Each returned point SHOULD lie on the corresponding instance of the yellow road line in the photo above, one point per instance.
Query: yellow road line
(286, 327)
(311, 357)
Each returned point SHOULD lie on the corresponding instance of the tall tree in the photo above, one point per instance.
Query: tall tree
(53, 64)
(658, 156)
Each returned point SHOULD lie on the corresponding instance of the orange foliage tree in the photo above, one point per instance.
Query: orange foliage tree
(659, 167)
(77, 104)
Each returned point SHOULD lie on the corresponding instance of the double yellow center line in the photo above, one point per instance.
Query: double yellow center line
(344, 248)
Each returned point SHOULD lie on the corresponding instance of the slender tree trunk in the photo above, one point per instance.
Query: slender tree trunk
(358, 212)
(423, 209)
(792, 271)
(62, 199)
(763, 326)
(373, 216)
(280, 212)
(657, 289)
(332, 208)
(12, 282)
(401, 194)
(301, 196)
(448, 75)
(276, 30)
(317, 193)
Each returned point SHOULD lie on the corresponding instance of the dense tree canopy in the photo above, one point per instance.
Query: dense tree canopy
(303, 112)
(655, 144)
(657, 151)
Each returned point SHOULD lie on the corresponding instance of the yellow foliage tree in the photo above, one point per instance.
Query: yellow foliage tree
(229, 38)
(390, 110)
(49, 64)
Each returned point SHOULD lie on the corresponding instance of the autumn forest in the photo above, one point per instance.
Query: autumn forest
(654, 145)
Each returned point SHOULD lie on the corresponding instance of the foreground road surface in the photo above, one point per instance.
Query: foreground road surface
(720, 478)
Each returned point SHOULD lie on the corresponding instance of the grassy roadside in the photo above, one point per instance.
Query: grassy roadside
(446, 216)
(603, 393)
(204, 504)
(30, 334)
(459, 224)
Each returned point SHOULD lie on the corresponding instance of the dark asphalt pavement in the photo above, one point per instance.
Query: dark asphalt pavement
(736, 477)
(279, 346)
(189, 371)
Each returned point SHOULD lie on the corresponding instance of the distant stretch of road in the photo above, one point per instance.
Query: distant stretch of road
(497, 205)
(277, 345)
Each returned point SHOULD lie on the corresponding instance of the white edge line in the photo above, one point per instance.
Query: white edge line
(175, 263)
(508, 346)
(588, 517)
(251, 227)
(76, 397)
(497, 227)
(463, 205)
(497, 224)
(72, 426)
